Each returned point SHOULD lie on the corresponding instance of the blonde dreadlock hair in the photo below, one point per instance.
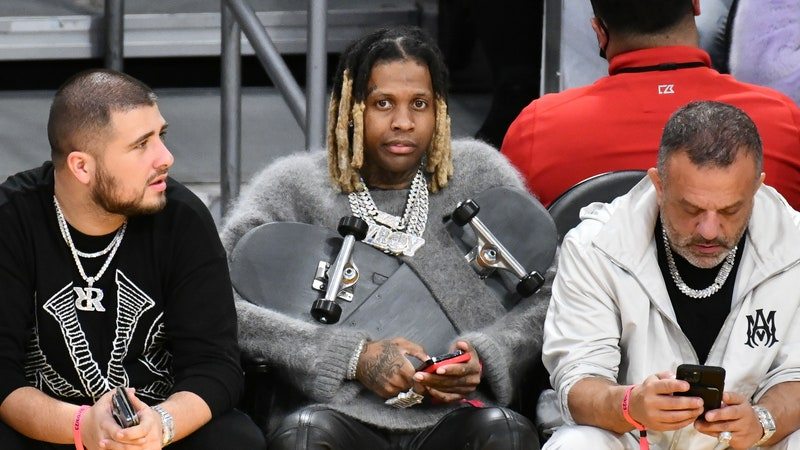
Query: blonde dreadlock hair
(345, 140)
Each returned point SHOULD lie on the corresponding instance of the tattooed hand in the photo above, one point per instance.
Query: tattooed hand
(453, 382)
(384, 369)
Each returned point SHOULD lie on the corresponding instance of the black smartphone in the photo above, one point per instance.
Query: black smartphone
(435, 362)
(122, 410)
(706, 382)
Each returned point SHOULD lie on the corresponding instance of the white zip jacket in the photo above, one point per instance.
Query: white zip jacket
(610, 315)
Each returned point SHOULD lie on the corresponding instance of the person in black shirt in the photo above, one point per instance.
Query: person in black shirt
(113, 275)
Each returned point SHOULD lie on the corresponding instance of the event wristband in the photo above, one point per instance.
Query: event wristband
(76, 427)
(644, 444)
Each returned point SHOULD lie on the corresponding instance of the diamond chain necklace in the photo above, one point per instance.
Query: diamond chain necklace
(115, 243)
(719, 281)
(415, 215)
(387, 232)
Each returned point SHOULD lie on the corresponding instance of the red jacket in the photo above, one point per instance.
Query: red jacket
(616, 123)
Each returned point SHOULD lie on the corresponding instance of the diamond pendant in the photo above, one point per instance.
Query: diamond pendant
(387, 219)
(89, 298)
(393, 242)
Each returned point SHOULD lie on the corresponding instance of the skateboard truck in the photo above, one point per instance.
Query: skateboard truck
(490, 254)
(341, 275)
(349, 278)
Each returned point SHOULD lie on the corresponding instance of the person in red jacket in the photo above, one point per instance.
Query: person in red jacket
(655, 67)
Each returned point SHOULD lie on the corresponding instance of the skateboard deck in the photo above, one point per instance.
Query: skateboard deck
(274, 266)
(523, 226)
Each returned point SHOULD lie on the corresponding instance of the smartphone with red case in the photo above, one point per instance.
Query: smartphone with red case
(435, 362)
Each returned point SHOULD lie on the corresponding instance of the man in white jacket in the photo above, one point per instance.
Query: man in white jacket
(697, 264)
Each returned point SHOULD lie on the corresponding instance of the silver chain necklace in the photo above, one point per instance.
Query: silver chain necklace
(719, 281)
(115, 243)
(387, 232)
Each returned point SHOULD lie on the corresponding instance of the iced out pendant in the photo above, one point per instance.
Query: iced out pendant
(391, 241)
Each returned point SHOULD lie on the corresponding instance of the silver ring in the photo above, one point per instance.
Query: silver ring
(405, 399)
(725, 437)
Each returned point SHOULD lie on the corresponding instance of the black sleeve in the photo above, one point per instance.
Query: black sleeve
(200, 315)
(16, 298)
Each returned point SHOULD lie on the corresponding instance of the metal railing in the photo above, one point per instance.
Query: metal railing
(113, 15)
(238, 16)
(309, 112)
(551, 50)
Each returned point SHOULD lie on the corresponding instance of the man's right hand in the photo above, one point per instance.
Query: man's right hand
(653, 405)
(97, 423)
(384, 369)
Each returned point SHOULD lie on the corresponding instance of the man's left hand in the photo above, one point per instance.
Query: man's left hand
(452, 382)
(736, 416)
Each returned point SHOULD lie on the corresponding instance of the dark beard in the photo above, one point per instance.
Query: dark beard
(104, 194)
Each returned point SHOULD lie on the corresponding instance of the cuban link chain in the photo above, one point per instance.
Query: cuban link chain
(389, 233)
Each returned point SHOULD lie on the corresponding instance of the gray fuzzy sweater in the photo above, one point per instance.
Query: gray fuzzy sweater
(314, 358)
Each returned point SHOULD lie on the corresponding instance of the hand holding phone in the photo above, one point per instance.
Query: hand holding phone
(122, 409)
(706, 382)
(432, 364)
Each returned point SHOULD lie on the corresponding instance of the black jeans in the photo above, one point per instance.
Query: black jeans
(232, 430)
(471, 428)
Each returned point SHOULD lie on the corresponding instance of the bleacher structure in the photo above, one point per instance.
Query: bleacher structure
(50, 29)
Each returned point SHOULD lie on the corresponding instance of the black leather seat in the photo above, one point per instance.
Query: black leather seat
(599, 188)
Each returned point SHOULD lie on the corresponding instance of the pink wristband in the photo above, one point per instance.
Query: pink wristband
(644, 444)
(76, 427)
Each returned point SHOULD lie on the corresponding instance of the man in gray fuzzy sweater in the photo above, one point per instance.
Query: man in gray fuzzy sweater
(384, 125)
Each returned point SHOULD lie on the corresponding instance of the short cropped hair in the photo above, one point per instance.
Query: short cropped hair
(81, 109)
(346, 110)
(712, 134)
(641, 16)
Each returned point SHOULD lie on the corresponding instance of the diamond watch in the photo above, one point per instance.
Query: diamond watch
(167, 425)
(767, 423)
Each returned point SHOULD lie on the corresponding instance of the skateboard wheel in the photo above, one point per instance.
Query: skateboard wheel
(326, 311)
(465, 211)
(530, 284)
(352, 225)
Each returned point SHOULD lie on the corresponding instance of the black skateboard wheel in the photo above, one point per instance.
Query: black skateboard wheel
(326, 311)
(465, 211)
(530, 284)
(352, 225)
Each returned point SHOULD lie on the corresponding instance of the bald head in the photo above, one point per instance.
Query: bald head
(80, 115)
